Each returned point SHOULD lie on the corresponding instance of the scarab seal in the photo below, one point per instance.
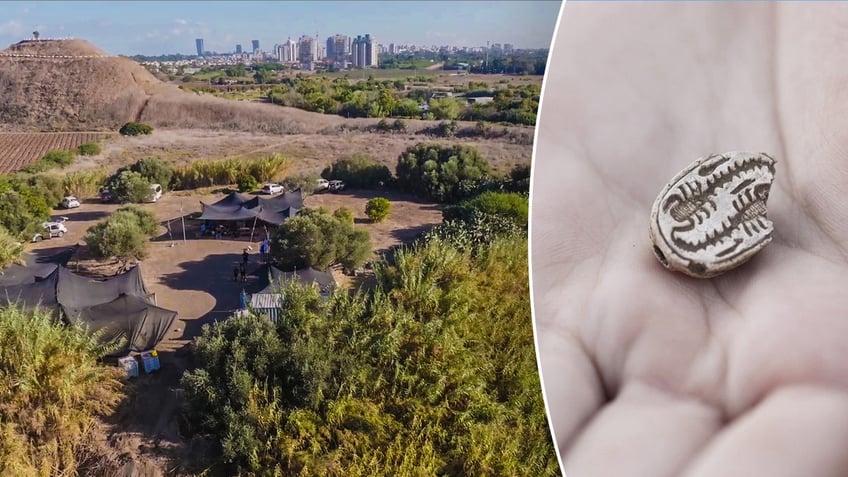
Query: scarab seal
(712, 216)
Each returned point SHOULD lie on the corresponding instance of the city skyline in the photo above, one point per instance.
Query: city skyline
(156, 28)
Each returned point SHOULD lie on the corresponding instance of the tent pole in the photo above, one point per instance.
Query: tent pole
(182, 219)
(252, 229)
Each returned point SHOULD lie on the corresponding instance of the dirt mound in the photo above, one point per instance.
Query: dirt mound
(69, 85)
(54, 48)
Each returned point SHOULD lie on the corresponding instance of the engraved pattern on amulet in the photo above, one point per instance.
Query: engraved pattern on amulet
(712, 216)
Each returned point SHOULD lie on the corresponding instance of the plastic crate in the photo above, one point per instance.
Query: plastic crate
(150, 360)
(130, 365)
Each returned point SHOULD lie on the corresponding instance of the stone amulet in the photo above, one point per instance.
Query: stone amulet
(712, 216)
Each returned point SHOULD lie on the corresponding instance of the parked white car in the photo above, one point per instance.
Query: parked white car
(336, 186)
(70, 202)
(55, 228)
(322, 184)
(272, 188)
(155, 193)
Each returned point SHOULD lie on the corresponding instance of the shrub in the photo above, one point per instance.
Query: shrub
(52, 388)
(246, 183)
(145, 219)
(344, 214)
(155, 170)
(130, 186)
(507, 205)
(438, 172)
(359, 171)
(22, 212)
(122, 236)
(52, 160)
(315, 238)
(11, 250)
(306, 183)
(89, 149)
(378, 208)
(134, 128)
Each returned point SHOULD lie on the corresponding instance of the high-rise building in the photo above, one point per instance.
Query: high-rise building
(308, 47)
(508, 48)
(288, 52)
(238, 48)
(255, 44)
(199, 44)
(338, 49)
(364, 52)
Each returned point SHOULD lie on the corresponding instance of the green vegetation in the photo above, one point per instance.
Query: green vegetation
(51, 387)
(441, 173)
(508, 205)
(359, 170)
(52, 160)
(129, 187)
(432, 373)
(205, 173)
(83, 184)
(315, 238)
(11, 249)
(134, 128)
(123, 235)
(89, 149)
(378, 209)
(23, 208)
(154, 170)
(246, 183)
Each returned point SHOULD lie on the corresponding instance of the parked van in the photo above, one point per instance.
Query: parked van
(155, 193)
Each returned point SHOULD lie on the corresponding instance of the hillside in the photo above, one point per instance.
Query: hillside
(69, 85)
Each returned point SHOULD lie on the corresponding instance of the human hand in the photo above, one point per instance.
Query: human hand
(653, 373)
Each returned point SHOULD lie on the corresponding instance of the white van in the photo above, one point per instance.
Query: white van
(155, 193)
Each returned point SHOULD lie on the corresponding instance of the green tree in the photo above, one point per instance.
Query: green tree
(378, 208)
(445, 108)
(246, 183)
(130, 186)
(359, 171)
(439, 172)
(122, 236)
(155, 170)
(315, 238)
(21, 214)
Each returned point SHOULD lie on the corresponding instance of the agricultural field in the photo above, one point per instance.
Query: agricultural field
(18, 150)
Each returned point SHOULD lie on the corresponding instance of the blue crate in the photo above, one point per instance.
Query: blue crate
(150, 360)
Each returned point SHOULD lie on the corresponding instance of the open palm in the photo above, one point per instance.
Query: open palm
(653, 373)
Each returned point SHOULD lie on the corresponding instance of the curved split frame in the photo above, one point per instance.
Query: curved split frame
(652, 373)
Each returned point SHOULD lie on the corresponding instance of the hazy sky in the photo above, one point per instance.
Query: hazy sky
(153, 28)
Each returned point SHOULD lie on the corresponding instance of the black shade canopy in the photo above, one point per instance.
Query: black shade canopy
(273, 210)
(120, 308)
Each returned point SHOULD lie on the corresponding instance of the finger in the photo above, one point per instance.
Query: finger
(795, 431)
(645, 432)
(812, 92)
(572, 388)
